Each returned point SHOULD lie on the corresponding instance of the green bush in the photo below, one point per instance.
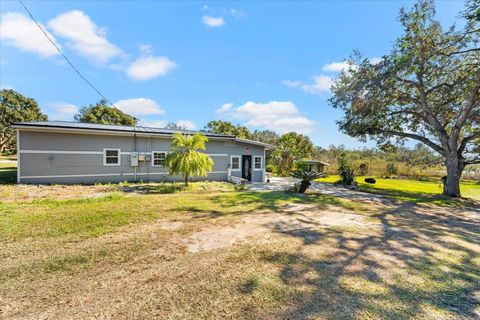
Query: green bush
(302, 165)
(345, 170)
(363, 169)
(306, 176)
(391, 169)
(270, 168)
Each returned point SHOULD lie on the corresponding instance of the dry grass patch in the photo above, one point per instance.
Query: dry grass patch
(128, 254)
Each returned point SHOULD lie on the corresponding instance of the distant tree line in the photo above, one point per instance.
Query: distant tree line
(290, 147)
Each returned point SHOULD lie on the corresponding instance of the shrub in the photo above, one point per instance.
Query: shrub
(391, 169)
(306, 176)
(345, 170)
(270, 167)
(302, 165)
(363, 169)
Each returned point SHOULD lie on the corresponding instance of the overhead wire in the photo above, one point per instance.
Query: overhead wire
(65, 57)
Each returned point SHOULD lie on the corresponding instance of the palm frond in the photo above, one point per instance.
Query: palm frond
(185, 157)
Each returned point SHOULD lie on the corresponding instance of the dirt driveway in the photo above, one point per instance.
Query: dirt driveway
(283, 183)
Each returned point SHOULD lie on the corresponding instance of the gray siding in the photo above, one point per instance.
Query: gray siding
(48, 157)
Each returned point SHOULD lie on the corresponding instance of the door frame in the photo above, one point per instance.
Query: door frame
(244, 158)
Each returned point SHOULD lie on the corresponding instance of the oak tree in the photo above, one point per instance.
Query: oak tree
(427, 89)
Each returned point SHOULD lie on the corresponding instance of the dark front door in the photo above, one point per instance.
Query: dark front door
(247, 167)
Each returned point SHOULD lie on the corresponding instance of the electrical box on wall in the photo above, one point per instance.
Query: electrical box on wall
(134, 159)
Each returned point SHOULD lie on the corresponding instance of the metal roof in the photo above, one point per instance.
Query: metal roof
(137, 129)
(107, 127)
(311, 161)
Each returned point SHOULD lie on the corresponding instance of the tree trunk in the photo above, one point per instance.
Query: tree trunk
(455, 168)
(186, 179)
(303, 186)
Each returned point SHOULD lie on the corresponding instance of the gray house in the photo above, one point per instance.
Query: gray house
(68, 152)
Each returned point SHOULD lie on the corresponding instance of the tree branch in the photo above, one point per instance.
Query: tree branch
(414, 136)
(430, 116)
(468, 109)
(463, 51)
(466, 140)
(473, 161)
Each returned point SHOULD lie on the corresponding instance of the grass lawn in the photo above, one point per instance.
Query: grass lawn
(412, 190)
(214, 251)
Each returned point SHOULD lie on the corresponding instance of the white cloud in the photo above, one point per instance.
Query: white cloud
(213, 22)
(337, 67)
(237, 14)
(146, 68)
(224, 108)
(6, 87)
(61, 111)
(293, 83)
(187, 124)
(145, 48)
(84, 36)
(24, 34)
(153, 123)
(280, 116)
(139, 107)
(375, 60)
(321, 83)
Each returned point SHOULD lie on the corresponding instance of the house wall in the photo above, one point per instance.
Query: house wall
(48, 157)
(318, 167)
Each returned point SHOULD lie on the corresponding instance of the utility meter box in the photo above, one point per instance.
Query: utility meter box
(134, 159)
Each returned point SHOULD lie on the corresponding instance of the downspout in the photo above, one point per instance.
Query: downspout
(135, 146)
(18, 156)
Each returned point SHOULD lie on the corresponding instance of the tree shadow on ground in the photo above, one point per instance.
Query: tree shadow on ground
(418, 261)
(248, 202)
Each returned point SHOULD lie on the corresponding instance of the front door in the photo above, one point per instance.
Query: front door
(247, 167)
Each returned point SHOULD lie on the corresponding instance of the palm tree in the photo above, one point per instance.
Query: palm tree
(185, 157)
(306, 177)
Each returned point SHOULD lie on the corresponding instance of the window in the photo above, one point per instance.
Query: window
(111, 157)
(158, 158)
(257, 163)
(235, 163)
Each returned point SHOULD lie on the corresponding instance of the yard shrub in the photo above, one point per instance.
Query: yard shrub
(345, 170)
(306, 176)
(302, 165)
(363, 169)
(391, 169)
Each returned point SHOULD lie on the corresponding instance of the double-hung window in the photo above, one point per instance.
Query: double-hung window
(257, 163)
(111, 157)
(235, 163)
(158, 158)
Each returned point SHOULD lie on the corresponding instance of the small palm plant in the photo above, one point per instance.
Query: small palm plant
(306, 177)
(185, 157)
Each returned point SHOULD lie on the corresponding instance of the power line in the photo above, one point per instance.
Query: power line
(65, 57)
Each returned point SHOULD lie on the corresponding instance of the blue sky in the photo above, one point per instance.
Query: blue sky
(267, 65)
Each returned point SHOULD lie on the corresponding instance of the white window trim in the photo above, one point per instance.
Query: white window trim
(112, 164)
(261, 163)
(153, 158)
(239, 162)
